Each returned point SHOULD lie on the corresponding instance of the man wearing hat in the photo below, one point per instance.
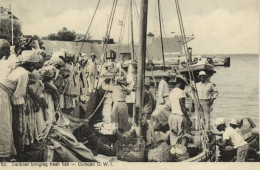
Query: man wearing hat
(163, 90)
(179, 114)
(229, 134)
(207, 93)
(91, 72)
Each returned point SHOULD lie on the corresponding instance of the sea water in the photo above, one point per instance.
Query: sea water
(238, 87)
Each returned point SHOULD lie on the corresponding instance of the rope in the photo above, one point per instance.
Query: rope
(80, 49)
(104, 50)
(107, 36)
(122, 26)
(191, 75)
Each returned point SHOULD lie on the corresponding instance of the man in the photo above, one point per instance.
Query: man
(207, 93)
(231, 140)
(179, 114)
(4, 49)
(234, 125)
(229, 135)
(149, 103)
(163, 90)
(91, 70)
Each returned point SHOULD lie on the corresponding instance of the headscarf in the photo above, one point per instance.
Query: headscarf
(29, 56)
(48, 72)
(54, 62)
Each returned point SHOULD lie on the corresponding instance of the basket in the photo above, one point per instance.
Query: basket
(105, 147)
(179, 153)
(160, 153)
(131, 150)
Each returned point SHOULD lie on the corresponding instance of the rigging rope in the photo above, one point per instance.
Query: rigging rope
(80, 49)
(104, 48)
(191, 75)
(122, 27)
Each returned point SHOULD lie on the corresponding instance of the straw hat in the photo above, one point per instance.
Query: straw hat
(182, 78)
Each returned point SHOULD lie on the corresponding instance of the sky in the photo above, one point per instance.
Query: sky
(219, 26)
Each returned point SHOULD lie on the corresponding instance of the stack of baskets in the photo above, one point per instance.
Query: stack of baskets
(131, 150)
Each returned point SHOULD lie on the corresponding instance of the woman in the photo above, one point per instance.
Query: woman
(50, 92)
(119, 114)
(34, 102)
(13, 91)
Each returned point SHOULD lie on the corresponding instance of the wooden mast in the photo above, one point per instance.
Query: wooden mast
(141, 59)
(132, 31)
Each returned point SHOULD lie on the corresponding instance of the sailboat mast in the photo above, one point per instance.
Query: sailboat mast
(132, 30)
(141, 59)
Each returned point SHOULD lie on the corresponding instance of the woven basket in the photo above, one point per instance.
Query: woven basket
(131, 150)
(178, 157)
(160, 153)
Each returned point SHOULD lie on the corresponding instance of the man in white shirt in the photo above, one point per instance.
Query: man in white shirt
(229, 134)
(163, 90)
(179, 114)
(207, 93)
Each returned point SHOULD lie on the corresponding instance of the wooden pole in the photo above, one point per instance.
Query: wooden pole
(141, 60)
(132, 31)
(160, 23)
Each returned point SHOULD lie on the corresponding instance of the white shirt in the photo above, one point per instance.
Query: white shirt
(206, 90)
(175, 95)
(234, 136)
(163, 91)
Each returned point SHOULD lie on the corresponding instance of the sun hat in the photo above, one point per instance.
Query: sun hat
(220, 121)
(202, 73)
(234, 121)
(182, 78)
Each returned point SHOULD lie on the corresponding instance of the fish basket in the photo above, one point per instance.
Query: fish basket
(179, 153)
(105, 147)
(160, 153)
(130, 150)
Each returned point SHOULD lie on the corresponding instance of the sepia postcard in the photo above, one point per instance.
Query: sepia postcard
(147, 84)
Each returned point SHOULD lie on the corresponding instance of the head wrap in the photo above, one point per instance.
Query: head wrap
(48, 72)
(29, 56)
(54, 62)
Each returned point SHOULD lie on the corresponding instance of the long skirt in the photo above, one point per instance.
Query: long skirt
(91, 82)
(6, 131)
(50, 111)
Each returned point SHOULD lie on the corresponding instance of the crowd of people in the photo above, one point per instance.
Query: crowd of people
(33, 89)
